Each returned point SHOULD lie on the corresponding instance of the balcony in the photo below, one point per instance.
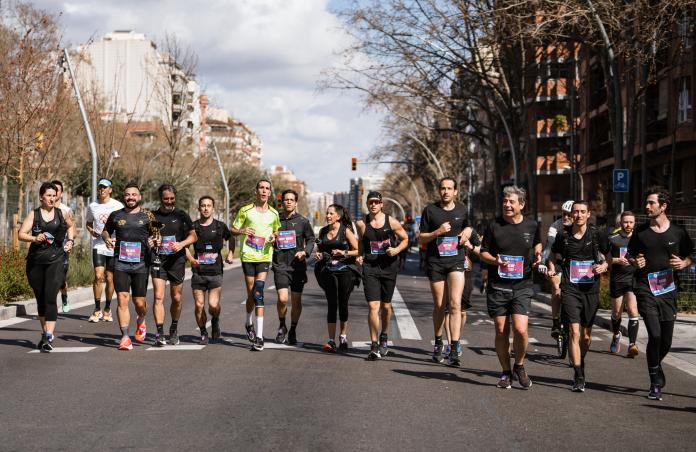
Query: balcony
(552, 89)
(557, 127)
(552, 164)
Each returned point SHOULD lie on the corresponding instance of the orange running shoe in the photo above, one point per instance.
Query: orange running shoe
(141, 332)
(125, 343)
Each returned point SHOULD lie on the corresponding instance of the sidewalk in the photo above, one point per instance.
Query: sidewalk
(23, 310)
(683, 352)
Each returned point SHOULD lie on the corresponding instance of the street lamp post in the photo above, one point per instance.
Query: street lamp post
(224, 184)
(398, 204)
(85, 120)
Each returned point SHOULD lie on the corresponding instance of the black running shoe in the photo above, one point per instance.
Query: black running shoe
(46, 346)
(160, 340)
(454, 357)
(251, 333)
(281, 337)
(522, 377)
(655, 393)
(173, 337)
(204, 340)
(216, 331)
(374, 354)
(342, 344)
(292, 337)
(383, 344)
(579, 384)
(258, 344)
(437, 353)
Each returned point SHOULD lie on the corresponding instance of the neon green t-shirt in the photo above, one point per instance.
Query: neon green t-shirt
(257, 248)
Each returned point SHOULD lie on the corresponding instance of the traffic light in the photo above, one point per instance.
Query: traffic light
(354, 164)
(279, 201)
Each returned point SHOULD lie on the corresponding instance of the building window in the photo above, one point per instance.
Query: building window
(685, 33)
(684, 100)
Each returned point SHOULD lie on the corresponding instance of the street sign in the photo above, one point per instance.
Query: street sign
(621, 181)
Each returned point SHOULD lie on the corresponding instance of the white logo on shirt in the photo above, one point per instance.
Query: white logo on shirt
(671, 243)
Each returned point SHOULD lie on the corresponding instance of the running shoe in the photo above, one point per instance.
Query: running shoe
(204, 339)
(258, 345)
(454, 357)
(556, 331)
(522, 377)
(96, 316)
(330, 346)
(448, 349)
(578, 384)
(141, 331)
(66, 307)
(160, 340)
(632, 351)
(125, 344)
(251, 333)
(505, 381)
(437, 353)
(292, 337)
(615, 346)
(216, 331)
(173, 337)
(655, 393)
(342, 344)
(282, 335)
(383, 344)
(374, 354)
(107, 317)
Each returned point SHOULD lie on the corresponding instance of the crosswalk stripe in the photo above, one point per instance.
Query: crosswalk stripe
(68, 350)
(533, 340)
(174, 348)
(367, 344)
(445, 342)
(404, 321)
(273, 345)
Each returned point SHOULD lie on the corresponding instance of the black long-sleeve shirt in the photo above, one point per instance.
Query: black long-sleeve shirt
(295, 234)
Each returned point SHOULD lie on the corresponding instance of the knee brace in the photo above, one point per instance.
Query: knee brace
(257, 292)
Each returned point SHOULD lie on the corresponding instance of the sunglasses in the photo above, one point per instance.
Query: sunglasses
(372, 203)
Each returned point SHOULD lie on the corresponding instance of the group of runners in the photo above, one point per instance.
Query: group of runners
(131, 244)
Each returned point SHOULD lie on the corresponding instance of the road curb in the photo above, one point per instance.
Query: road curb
(8, 312)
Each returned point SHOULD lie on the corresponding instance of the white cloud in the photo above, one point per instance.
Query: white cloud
(260, 60)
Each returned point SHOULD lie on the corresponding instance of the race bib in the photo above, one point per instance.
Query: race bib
(255, 242)
(103, 250)
(622, 252)
(49, 238)
(581, 272)
(129, 252)
(207, 258)
(513, 268)
(335, 265)
(167, 246)
(286, 240)
(447, 246)
(379, 247)
(661, 282)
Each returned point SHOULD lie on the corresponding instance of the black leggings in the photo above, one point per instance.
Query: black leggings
(337, 287)
(659, 338)
(46, 280)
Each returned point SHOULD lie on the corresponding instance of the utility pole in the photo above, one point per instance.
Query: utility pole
(224, 184)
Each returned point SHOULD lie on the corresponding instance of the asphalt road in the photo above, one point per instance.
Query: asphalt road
(224, 396)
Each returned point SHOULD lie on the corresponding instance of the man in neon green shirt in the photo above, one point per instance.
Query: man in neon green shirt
(257, 223)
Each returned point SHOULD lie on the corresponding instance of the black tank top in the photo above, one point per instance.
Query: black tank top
(339, 242)
(375, 242)
(51, 250)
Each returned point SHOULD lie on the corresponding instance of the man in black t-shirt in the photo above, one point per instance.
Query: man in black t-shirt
(511, 248)
(442, 225)
(132, 227)
(294, 243)
(206, 266)
(176, 234)
(621, 286)
(658, 249)
(581, 248)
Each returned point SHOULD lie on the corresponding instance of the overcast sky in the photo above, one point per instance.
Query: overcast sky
(260, 60)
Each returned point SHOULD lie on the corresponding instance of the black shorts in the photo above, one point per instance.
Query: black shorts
(292, 278)
(664, 306)
(99, 260)
(135, 283)
(174, 273)
(379, 283)
(438, 272)
(505, 302)
(619, 288)
(254, 268)
(577, 307)
(205, 282)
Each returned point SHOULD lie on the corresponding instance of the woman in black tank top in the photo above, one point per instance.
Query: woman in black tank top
(46, 229)
(335, 270)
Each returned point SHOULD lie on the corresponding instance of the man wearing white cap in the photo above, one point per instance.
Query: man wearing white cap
(102, 257)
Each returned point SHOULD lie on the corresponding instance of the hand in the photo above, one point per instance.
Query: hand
(40, 238)
(247, 231)
(499, 262)
(640, 260)
(551, 273)
(68, 246)
(676, 262)
(195, 262)
(230, 257)
(336, 252)
(152, 242)
(94, 233)
(272, 238)
(444, 228)
(359, 260)
(300, 256)
(543, 269)
(317, 255)
(623, 261)
(600, 268)
(391, 252)
(537, 261)
(109, 243)
(177, 246)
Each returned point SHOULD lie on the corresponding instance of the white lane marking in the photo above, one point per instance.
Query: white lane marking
(207, 325)
(483, 322)
(533, 340)
(404, 321)
(68, 350)
(367, 344)
(445, 342)
(275, 346)
(174, 348)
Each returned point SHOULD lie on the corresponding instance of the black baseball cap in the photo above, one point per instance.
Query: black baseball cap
(374, 195)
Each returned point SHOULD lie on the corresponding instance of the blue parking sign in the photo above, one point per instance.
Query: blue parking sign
(621, 180)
